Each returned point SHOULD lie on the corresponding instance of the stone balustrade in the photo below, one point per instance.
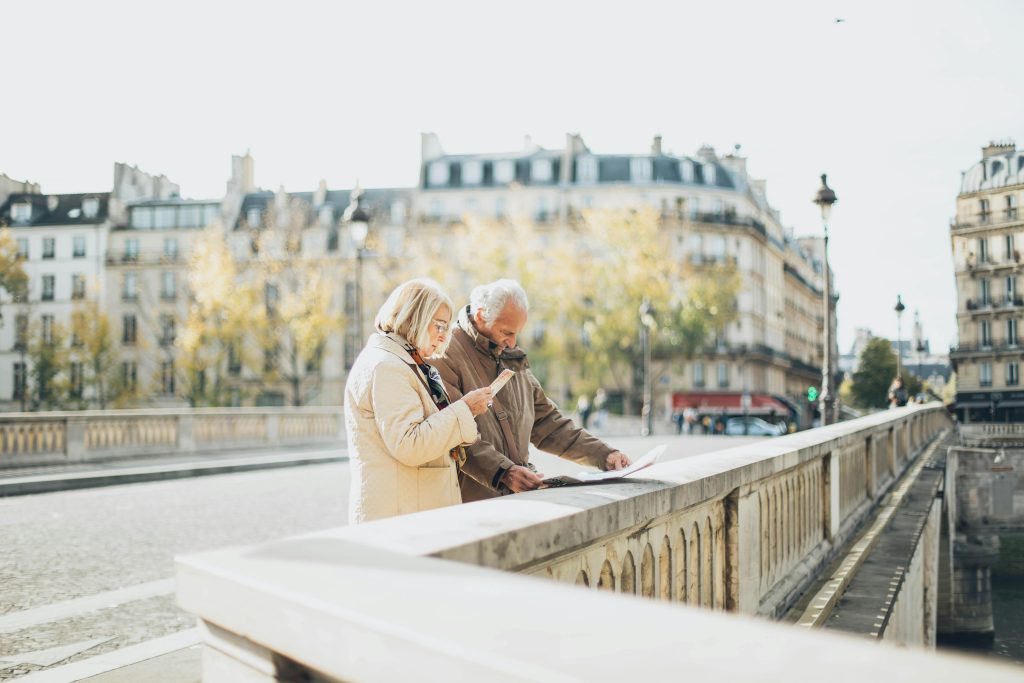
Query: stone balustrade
(59, 437)
(745, 529)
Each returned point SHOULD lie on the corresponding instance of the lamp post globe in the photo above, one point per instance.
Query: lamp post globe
(825, 198)
(899, 308)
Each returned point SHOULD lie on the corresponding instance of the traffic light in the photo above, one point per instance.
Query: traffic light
(812, 394)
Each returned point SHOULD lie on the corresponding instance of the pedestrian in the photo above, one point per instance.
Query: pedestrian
(405, 435)
(690, 417)
(483, 344)
(583, 408)
(600, 411)
(677, 420)
(897, 396)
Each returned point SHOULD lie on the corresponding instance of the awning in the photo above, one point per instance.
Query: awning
(730, 403)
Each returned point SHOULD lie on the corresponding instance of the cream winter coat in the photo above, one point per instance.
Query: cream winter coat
(398, 441)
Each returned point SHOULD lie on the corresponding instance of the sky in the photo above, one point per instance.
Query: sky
(893, 102)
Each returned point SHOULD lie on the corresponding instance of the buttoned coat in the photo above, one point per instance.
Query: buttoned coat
(398, 441)
(471, 362)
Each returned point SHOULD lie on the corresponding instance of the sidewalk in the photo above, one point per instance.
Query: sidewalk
(18, 481)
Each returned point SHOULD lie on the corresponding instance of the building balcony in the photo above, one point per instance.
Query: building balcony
(993, 305)
(116, 258)
(985, 221)
(979, 350)
(989, 265)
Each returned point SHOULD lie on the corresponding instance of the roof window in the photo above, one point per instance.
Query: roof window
(686, 170)
(540, 170)
(472, 172)
(586, 169)
(504, 171)
(21, 212)
(90, 207)
(710, 174)
(641, 169)
(438, 173)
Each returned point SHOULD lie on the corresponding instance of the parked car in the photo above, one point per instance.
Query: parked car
(752, 426)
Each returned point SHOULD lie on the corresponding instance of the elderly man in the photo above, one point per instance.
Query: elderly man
(483, 344)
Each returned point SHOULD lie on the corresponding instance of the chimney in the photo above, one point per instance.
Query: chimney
(706, 153)
(430, 147)
(320, 196)
(997, 147)
(656, 145)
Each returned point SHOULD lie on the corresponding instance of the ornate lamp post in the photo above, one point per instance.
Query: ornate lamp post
(358, 220)
(899, 308)
(825, 199)
(647, 324)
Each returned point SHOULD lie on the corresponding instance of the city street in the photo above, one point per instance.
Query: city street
(91, 571)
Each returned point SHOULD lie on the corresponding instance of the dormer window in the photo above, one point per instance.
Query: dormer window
(641, 170)
(540, 170)
(437, 173)
(252, 217)
(504, 171)
(686, 170)
(586, 170)
(710, 174)
(90, 207)
(472, 172)
(21, 213)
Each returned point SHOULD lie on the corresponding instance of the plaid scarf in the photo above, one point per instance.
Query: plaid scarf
(437, 391)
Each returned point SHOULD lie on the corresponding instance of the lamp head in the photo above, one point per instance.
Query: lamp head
(825, 198)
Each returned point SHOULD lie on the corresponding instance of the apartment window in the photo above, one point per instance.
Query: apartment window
(91, 207)
(723, 375)
(76, 380)
(129, 375)
(397, 212)
(1008, 243)
(686, 170)
(78, 322)
(436, 209)
(710, 174)
(984, 293)
(694, 203)
(129, 287)
(472, 172)
(540, 170)
(77, 286)
(983, 210)
(252, 217)
(48, 287)
(47, 329)
(128, 329)
(1011, 206)
(171, 248)
(1012, 374)
(586, 170)
(234, 361)
(168, 285)
(20, 381)
(142, 218)
(23, 248)
(78, 246)
(698, 375)
(983, 249)
(271, 296)
(986, 332)
(1011, 289)
(333, 238)
(131, 249)
(167, 377)
(21, 331)
(21, 213)
(49, 247)
(1011, 332)
(167, 332)
(641, 170)
(270, 359)
(986, 375)
(504, 171)
(718, 247)
(716, 207)
(165, 217)
(438, 173)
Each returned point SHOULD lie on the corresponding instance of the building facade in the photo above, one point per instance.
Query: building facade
(712, 210)
(985, 239)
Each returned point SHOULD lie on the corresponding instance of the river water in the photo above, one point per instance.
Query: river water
(1008, 615)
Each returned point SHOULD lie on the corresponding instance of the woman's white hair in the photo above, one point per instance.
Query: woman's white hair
(491, 299)
(411, 309)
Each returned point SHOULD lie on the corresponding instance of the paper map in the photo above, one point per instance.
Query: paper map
(501, 380)
(590, 477)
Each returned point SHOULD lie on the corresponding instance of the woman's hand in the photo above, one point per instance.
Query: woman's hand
(478, 400)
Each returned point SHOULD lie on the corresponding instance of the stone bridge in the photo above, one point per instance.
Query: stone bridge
(843, 528)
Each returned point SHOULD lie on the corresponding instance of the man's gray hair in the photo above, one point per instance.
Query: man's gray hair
(491, 299)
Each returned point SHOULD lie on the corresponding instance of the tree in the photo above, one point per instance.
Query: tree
(94, 345)
(221, 314)
(874, 375)
(48, 359)
(13, 279)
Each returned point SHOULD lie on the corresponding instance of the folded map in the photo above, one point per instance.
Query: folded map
(592, 477)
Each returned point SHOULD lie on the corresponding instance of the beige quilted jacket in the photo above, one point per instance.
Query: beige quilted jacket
(398, 441)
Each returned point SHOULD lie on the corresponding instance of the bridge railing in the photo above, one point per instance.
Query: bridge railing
(744, 529)
(56, 437)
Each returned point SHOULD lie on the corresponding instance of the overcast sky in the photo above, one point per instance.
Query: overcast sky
(893, 103)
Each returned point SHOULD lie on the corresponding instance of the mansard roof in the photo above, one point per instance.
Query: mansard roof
(1002, 165)
(55, 209)
(377, 201)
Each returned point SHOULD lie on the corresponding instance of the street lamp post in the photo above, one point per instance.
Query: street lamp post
(899, 308)
(825, 199)
(358, 220)
(647, 324)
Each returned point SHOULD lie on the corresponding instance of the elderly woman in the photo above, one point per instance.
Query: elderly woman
(405, 437)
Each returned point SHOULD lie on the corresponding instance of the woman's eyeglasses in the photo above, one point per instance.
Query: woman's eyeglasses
(442, 328)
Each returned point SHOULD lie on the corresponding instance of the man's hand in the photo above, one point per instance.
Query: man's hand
(617, 460)
(519, 479)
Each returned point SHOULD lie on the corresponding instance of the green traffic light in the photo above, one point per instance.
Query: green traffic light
(812, 393)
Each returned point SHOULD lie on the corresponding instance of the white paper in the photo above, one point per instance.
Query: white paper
(501, 380)
(648, 459)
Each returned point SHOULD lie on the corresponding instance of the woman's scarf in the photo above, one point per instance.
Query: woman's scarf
(437, 393)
